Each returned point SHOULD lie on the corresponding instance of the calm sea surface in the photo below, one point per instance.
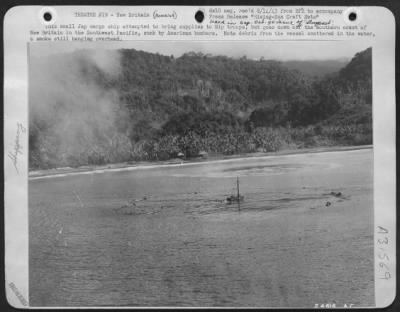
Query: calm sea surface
(167, 236)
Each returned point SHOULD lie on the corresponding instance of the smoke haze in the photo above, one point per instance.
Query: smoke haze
(99, 106)
(69, 103)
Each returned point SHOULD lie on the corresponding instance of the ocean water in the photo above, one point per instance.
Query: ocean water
(168, 237)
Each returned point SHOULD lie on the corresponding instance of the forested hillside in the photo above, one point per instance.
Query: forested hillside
(317, 68)
(96, 107)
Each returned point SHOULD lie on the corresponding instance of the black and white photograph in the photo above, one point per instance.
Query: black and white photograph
(201, 174)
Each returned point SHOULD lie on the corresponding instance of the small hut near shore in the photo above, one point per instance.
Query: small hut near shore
(203, 154)
(180, 155)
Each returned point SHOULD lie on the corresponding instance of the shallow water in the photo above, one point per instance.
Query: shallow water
(167, 236)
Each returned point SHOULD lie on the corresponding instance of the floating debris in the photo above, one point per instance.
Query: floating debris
(336, 194)
(328, 203)
(129, 208)
(137, 207)
(234, 199)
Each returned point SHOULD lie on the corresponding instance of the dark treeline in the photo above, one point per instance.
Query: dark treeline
(130, 105)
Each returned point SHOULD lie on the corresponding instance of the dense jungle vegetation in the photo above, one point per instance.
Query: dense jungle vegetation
(91, 107)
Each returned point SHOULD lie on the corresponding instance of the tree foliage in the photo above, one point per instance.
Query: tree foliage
(159, 106)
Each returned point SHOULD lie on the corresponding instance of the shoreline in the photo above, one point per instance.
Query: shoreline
(68, 171)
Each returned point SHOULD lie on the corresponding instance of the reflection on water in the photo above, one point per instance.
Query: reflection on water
(168, 237)
(262, 169)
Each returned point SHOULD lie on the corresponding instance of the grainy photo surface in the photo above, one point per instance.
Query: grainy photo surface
(211, 174)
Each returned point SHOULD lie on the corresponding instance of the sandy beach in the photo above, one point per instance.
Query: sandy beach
(67, 171)
(166, 236)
